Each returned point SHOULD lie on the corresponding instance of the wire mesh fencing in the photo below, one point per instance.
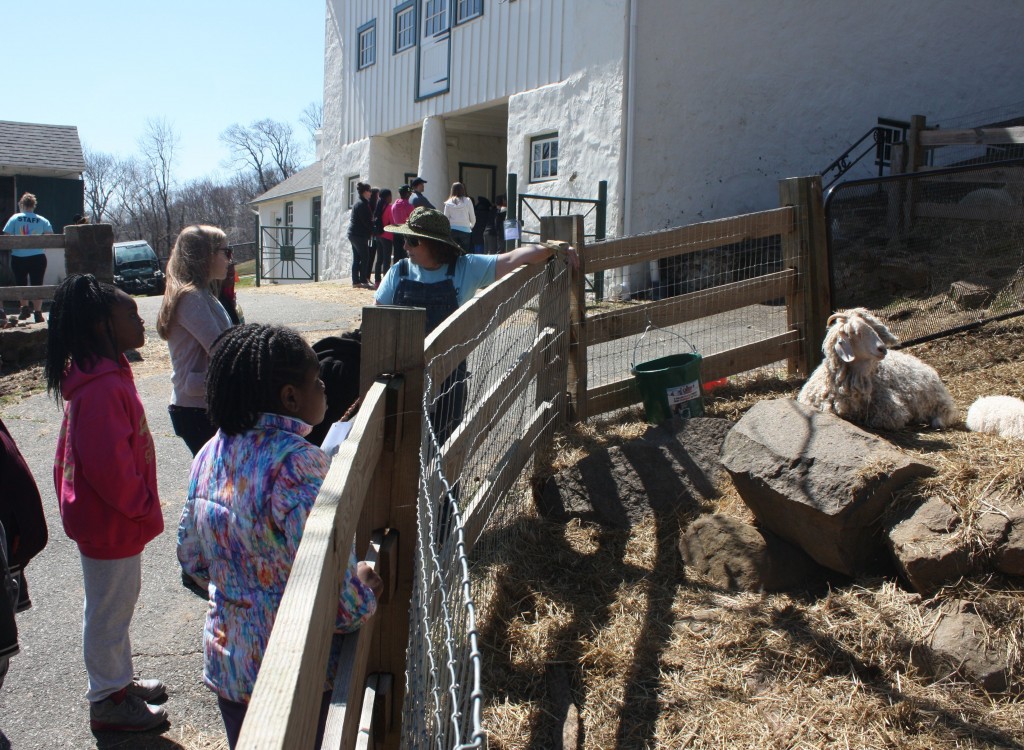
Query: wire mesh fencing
(931, 252)
(490, 402)
(719, 287)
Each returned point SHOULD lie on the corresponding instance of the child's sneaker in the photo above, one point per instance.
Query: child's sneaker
(151, 691)
(26, 310)
(124, 712)
(37, 316)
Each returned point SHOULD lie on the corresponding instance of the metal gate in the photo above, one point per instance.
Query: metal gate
(287, 254)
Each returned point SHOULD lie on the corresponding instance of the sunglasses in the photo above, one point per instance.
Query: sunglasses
(411, 241)
(226, 251)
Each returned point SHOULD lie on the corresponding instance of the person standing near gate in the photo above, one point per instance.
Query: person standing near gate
(28, 265)
(418, 199)
(360, 230)
(400, 211)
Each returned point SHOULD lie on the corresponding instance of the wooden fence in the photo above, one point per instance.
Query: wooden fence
(88, 248)
(370, 492)
(911, 157)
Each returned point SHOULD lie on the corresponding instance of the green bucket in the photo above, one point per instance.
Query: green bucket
(670, 386)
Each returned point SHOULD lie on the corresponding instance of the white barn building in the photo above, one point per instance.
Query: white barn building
(689, 109)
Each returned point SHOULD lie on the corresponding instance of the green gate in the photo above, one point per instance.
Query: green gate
(287, 254)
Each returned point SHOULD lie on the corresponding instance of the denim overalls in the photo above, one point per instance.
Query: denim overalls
(440, 299)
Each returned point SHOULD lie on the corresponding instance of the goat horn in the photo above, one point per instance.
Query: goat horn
(833, 318)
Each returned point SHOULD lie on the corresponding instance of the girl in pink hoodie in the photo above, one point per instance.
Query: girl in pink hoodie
(105, 477)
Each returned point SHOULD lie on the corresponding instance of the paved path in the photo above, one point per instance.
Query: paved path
(42, 703)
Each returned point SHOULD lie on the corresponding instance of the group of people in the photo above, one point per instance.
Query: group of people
(243, 399)
(475, 226)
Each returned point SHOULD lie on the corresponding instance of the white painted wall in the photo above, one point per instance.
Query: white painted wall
(729, 97)
(733, 96)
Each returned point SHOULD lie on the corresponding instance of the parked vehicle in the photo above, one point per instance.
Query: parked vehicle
(137, 269)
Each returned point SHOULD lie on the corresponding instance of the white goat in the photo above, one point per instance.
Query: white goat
(861, 381)
(998, 415)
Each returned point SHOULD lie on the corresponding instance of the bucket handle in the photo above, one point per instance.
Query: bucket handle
(651, 325)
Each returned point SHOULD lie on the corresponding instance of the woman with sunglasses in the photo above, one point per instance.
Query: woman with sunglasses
(190, 320)
(438, 276)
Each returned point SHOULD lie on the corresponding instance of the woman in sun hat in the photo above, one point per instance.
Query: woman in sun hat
(438, 276)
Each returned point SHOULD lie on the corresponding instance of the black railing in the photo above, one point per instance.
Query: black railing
(878, 140)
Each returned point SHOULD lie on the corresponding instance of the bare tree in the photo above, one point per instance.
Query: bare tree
(158, 144)
(102, 176)
(266, 148)
(313, 117)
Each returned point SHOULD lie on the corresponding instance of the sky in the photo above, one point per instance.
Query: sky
(109, 65)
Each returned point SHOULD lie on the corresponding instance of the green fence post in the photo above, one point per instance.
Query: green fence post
(599, 233)
(512, 207)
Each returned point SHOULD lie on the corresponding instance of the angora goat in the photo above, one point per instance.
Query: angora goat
(861, 381)
(998, 415)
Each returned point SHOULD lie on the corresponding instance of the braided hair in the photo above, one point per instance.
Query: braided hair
(79, 305)
(250, 365)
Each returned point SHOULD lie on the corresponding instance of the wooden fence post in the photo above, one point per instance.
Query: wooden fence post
(805, 249)
(89, 248)
(556, 381)
(393, 343)
(571, 229)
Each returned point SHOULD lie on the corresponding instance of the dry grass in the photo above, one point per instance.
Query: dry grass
(606, 623)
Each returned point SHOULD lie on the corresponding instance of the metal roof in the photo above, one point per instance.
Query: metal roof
(53, 150)
(310, 178)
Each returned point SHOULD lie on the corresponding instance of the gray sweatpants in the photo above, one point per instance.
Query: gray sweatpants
(111, 592)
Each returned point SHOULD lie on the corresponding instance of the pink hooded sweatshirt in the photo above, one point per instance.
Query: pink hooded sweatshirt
(105, 467)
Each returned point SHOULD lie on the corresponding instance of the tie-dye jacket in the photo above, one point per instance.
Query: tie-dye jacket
(248, 499)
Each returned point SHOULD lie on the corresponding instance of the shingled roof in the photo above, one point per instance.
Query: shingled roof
(310, 178)
(31, 148)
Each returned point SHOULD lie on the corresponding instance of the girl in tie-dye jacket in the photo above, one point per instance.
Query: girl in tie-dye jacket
(251, 488)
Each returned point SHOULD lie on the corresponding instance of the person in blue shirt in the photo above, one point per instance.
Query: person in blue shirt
(438, 276)
(28, 265)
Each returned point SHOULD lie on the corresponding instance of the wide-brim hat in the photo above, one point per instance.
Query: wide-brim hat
(427, 223)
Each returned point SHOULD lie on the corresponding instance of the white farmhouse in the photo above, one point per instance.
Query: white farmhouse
(688, 109)
(289, 226)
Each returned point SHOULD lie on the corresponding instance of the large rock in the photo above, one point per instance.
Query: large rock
(816, 480)
(671, 467)
(736, 556)
(929, 546)
(961, 642)
(1009, 554)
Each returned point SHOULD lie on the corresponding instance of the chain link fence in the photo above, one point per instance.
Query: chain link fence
(489, 404)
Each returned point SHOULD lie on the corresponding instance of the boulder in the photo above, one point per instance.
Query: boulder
(928, 547)
(671, 467)
(970, 295)
(735, 556)
(816, 480)
(960, 642)
(1009, 555)
(23, 344)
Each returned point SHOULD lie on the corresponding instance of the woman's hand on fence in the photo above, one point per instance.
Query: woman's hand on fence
(563, 250)
(369, 578)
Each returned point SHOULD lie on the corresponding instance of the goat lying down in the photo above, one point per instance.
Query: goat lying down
(998, 415)
(862, 381)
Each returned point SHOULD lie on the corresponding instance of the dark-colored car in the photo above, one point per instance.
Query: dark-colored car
(137, 269)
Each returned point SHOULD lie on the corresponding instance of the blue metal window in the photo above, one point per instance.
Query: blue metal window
(544, 158)
(467, 9)
(366, 36)
(436, 17)
(405, 26)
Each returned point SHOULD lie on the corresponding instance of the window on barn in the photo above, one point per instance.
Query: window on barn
(353, 194)
(366, 44)
(289, 221)
(405, 26)
(544, 157)
(435, 18)
(468, 9)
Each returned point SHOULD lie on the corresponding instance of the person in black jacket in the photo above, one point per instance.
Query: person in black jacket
(484, 222)
(23, 535)
(360, 231)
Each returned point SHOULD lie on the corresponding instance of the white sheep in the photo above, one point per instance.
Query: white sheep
(862, 381)
(997, 415)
